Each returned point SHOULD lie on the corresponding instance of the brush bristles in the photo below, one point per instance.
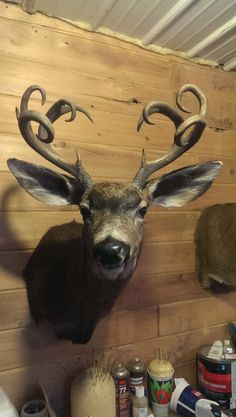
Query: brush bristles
(161, 355)
(98, 366)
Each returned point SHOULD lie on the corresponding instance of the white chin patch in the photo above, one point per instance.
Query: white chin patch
(111, 274)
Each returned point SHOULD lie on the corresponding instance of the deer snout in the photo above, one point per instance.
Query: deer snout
(111, 253)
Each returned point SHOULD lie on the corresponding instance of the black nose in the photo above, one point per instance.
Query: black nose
(111, 253)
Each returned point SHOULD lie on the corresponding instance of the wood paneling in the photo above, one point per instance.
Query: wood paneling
(154, 289)
(28, 345)
(141, 291)
(106, 87)
(11, 266)
(217, 84)
(23, 230)
(49, 47)
(163, 306)
(105, 106)
(193, 314)
(166, 257)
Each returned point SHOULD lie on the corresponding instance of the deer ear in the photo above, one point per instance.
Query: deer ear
(46, 185)
(183, 185)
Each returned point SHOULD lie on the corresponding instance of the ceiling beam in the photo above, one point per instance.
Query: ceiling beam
(213, 37)
(166, 20)
(230, 65)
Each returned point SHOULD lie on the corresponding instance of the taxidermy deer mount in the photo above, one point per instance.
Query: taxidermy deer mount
(77, 272)
(215, 239)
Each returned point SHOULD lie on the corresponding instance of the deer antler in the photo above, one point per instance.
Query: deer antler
(183, 140)
(41, 142)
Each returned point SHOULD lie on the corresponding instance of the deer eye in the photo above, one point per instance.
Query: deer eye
(85, 212)
(142, 211)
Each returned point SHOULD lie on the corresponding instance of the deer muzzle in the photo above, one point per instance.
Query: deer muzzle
(111, 253)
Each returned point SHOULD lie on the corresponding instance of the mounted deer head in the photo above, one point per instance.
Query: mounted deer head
(74, 277)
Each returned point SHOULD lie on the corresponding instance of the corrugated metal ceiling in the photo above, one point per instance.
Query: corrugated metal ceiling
(198, 28)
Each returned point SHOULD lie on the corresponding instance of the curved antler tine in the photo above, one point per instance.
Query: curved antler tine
(60, 108)
(26, 130)
(188, 140)
(65, 106)
(197, 93)
(27, 94)
(162, 108)
(44, 148)
(183, 139)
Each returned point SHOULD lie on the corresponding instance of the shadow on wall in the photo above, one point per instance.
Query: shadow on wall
(54, 252)
(9, 239)
(40, 357)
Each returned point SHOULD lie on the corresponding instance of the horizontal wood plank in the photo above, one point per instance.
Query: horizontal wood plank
(166, 257)
(49, 47)
(182, 261)
(222, 106)
(170, 226)
(193, 314)
(155, 289)
(141, 291)
(28, 73)
(109, 116)
(21, 347)
(37, 351)
(181, 348)
(11, 266)
(14, 198)
(92, 103)
(16, 316)
(153, 260)
(217, 84)
(120, 163)
(22, 230)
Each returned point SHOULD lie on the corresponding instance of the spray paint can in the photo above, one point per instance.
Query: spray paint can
(137, 371)
(121, 378)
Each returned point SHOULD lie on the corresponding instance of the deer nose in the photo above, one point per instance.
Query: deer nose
(111, 253)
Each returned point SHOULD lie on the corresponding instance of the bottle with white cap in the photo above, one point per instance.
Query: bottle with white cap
(139, 403)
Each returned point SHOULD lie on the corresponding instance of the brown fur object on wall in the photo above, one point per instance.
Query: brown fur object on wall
(215, 239)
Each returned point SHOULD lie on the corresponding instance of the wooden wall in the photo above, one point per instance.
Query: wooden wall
(163, 306)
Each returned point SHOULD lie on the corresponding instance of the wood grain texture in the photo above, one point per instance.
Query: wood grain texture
(142, 291)
(22, 230)
(163, 306)
(193, 314)
(50, 46)
(109, 111)
(29, 345)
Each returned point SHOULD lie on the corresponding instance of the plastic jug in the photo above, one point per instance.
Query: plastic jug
(7, 409)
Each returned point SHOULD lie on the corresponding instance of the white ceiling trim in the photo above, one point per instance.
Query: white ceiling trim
(230, 65)
(216, 35)
(167, 19)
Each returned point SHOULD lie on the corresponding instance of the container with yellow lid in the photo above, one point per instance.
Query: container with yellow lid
(160, 386)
